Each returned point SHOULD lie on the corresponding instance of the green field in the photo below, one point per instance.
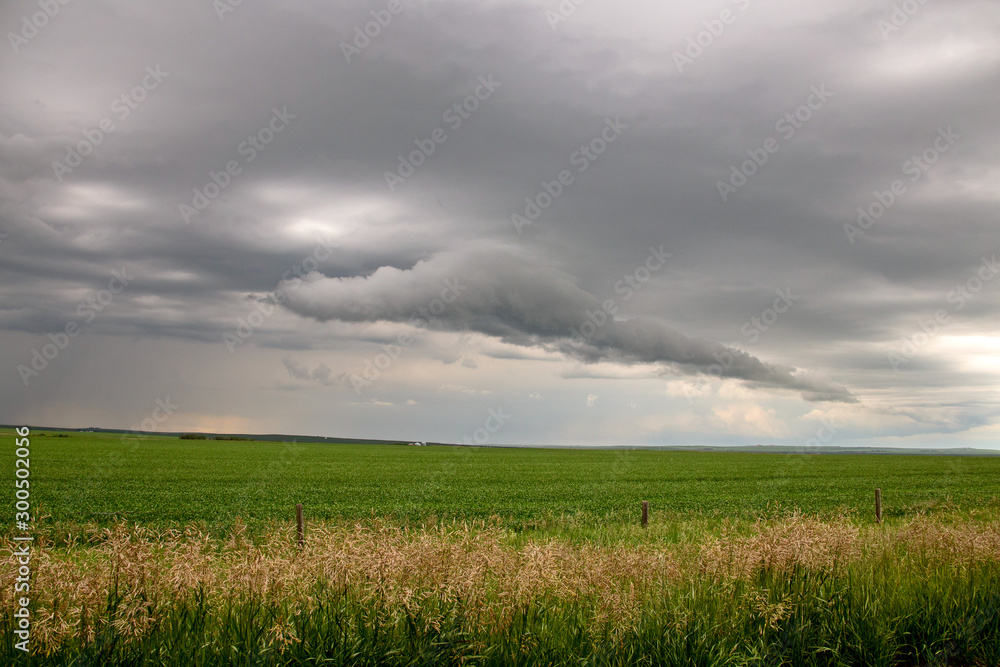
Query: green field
(157, 480)
(162, 551)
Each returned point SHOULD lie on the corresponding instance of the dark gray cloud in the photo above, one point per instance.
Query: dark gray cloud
(314, 202)
(499, 293)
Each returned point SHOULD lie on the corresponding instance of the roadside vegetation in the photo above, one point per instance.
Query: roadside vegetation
(729, 571)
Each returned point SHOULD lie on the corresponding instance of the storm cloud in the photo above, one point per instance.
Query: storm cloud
(288, 188)
(502, 294)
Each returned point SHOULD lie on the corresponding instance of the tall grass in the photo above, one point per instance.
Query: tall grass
(799, 591)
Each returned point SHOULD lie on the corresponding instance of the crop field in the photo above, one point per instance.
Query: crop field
(162, 551)
(161, 480)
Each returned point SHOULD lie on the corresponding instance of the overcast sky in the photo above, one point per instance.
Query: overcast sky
(719, 222)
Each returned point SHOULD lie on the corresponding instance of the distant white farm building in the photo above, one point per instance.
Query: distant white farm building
(418, 444)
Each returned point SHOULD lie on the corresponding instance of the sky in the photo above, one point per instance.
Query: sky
(581, 223)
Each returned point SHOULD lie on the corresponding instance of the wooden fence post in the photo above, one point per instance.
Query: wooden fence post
(645, 513)
(878, 505)
(300, 524)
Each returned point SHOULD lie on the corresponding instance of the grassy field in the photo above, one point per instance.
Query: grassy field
(159, 480)
(160, 551)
